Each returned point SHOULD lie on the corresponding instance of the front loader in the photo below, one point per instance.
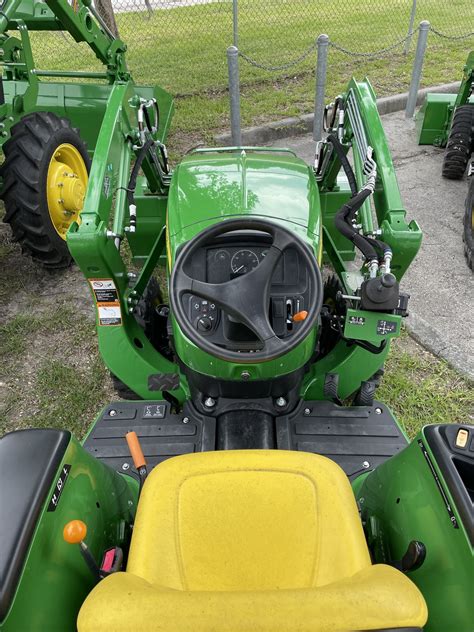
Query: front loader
(50, 121)
(251, 481)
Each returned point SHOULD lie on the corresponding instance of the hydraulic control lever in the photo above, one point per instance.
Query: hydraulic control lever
(75, 532)
(138, 457)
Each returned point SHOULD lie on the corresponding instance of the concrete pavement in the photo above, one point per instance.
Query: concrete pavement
(440, 283)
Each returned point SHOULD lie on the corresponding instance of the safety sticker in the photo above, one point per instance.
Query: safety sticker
(107, 301)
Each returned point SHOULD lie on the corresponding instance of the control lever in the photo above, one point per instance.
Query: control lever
(74, 532)
(414, 557)
(138, 457)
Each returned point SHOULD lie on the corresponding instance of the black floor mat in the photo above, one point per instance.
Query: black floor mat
(357, 438)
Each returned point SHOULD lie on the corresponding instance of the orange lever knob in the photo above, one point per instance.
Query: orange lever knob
(135, 450)
(75, 531)
(299, 316)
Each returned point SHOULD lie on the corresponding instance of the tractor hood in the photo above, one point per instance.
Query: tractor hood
(213, 185)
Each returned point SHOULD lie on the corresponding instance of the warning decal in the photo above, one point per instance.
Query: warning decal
(107, 301)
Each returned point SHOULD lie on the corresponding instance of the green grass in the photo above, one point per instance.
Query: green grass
(422, 389)
(183, 49)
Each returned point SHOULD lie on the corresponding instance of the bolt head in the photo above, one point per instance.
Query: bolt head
(185, 420)
(112, 413)
(125, 467)
(307, 411)
(209, 402)
(280, 402)
(378, 411)
(365, 465)
(245, 375)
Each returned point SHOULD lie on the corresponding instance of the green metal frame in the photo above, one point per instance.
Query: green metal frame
(165, 221)
(434, 118)
(400, 501)
(55, 579)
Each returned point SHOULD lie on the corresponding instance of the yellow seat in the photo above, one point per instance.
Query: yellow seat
(250, 541)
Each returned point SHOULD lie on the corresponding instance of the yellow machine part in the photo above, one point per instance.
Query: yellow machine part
(66, 185)
(250, 541)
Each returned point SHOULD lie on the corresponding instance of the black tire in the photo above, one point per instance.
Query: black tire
(122, 389)
(28, 153)
(146, 317)
(468, 235)
(460, 143)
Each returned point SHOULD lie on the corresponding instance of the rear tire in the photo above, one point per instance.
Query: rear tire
(468, 235)
(28, 153)
(460, 143)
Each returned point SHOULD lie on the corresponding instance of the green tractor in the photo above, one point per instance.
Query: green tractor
(247, 302)
(49, 128)
(447, 120)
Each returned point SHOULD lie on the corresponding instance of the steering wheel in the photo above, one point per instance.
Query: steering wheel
(246, 298)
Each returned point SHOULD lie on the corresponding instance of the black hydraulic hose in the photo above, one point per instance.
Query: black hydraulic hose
(346, 165)
(380, 245)
(341, 222)
(367, 245)
(132, 184)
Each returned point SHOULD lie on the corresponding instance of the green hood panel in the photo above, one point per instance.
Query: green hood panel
(208, 187)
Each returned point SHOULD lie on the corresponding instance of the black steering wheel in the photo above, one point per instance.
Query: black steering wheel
(246, 298)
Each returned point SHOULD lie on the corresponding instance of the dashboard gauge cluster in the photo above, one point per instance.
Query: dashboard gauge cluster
(227, 263)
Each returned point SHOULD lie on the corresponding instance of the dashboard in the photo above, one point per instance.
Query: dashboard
(229, 258)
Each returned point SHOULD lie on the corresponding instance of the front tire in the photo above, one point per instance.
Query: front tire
(45, 177)
(460, 143)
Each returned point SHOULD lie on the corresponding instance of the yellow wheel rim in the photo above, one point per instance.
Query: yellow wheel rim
(66, 185)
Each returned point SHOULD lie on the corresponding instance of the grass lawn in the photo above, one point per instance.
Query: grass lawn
(183, 49)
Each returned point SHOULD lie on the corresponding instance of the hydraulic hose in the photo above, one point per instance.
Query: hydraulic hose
(367, 245)
(346, 165)
(132, 184)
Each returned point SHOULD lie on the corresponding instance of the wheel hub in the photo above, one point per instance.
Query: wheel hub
(66, 187)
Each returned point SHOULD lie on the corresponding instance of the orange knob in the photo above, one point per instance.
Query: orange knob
(135, 449)
(299, 316)
(75, 531)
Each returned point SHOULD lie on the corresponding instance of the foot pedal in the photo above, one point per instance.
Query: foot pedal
(331, 386)
(366, 393)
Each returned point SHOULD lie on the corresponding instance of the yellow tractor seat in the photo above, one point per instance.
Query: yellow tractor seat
(250, 541)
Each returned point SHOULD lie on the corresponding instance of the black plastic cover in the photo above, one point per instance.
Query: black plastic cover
(29, 463)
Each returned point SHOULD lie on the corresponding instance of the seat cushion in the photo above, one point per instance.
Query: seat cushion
(247, 520)
(250, 541)
(378, 597)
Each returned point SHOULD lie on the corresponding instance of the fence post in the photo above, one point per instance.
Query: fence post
(410, 27)
(234, 94)
(319, 99)
(235, 21)
(417, 68)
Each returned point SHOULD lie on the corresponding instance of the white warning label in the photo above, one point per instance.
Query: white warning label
(107, 301)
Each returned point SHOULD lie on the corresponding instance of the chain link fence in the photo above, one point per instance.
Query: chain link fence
(181, 44)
